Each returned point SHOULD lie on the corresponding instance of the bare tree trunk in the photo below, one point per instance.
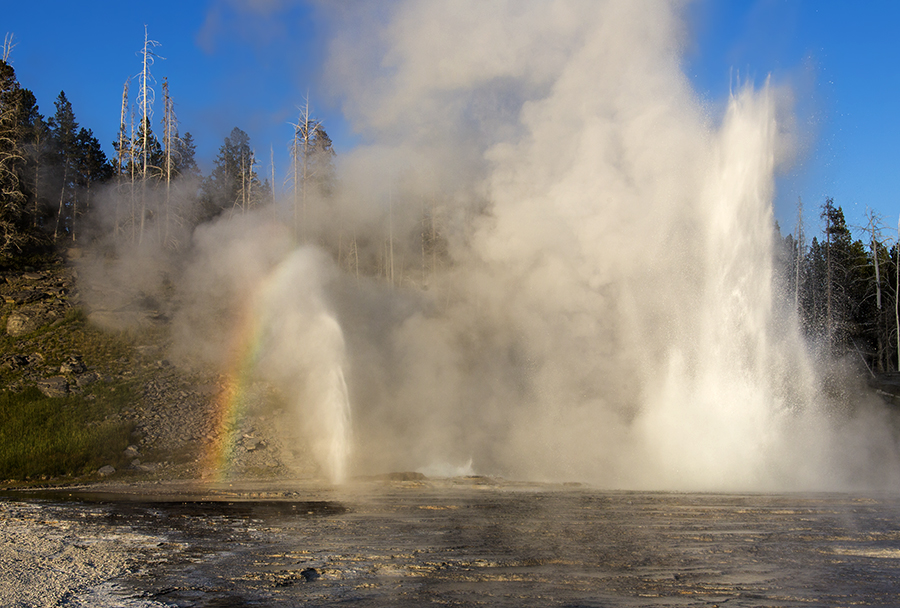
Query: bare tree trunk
(8, 46)
(828, 287)
(120, 157)
(144, 134)
(295, 171)
(391, 232)
(878, 320)
(62, 198)
(38, 144)
(37, 181)
(146, 108)
(799, 259)
(74, 213)
(133, 175)
(272, 163)
(301, 152)
(248, 176)
(873, 229)
(168, 124)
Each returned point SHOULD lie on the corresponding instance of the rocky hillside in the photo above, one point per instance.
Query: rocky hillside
(49, 341)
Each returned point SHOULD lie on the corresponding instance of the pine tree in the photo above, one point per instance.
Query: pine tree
(813, 294)
(36, 148)
(148, 154)
(92, 167)
(64, 135)
(13, 224)
(845, 282)
(233, 182)
(185, 157)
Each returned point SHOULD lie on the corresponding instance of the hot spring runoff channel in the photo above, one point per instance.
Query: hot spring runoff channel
(476, 541)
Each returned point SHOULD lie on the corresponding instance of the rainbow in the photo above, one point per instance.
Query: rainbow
(264, 322)
(230, 405)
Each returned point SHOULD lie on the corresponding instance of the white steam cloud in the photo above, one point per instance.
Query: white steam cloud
(575, 262)
(608, 315)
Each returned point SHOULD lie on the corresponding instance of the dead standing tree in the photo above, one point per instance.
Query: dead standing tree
(171, 144)
(244, 199)
(145, 100)
(124, 164)
(8, 46)
(897, 293)
(873, 228)
(302, 146)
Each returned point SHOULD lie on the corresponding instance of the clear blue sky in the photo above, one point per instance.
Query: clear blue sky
(250, 64)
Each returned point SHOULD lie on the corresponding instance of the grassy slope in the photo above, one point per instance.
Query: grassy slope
(63, 437)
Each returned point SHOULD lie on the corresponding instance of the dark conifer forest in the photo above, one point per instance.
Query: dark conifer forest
(60, 189)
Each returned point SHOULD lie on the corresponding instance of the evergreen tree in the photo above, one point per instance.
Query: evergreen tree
(36, 148)
(155, 156)
(233, 182)
(13, 223)
(92, 168)
(834, 299)
(64, 152)
(185, 157)
(321, 161)
(813, 294)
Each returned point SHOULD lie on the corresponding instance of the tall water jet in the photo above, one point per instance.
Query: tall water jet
(716, 412)
(302, 353)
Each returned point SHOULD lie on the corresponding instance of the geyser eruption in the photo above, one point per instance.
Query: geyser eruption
(605, 311)
(302, 353)
(253, 303)
(548, 260)
(731, 376)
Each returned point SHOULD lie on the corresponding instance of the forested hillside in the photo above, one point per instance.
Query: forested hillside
(59, 188)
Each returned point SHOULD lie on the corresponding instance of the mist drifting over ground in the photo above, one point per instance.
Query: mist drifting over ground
(601, 306)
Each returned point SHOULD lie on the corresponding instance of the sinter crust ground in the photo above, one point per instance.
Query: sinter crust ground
(459, 542)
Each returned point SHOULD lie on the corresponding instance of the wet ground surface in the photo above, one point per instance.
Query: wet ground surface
(475, 542)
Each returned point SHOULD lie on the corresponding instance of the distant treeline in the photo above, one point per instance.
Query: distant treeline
(58, 186)
(844, 290)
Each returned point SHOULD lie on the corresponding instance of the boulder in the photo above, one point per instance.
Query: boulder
(23, 297)
(15, 362)
(105, 471)
(251, 444)
(85, 379)
(57, 386)
(73, 365)
(27, 319)
(19, 324)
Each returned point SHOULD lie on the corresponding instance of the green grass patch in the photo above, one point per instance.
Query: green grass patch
(42, 437)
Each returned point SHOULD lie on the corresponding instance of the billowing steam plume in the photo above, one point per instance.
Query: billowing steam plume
(607, 312)
(551, 261)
